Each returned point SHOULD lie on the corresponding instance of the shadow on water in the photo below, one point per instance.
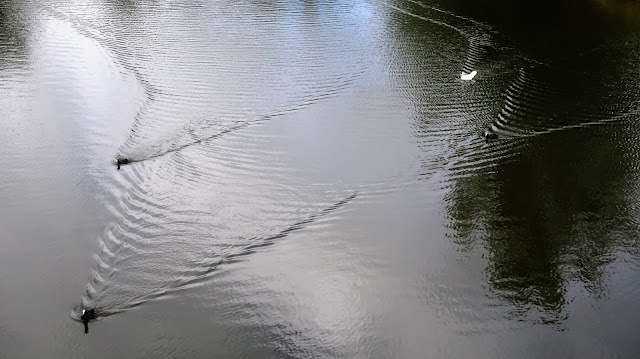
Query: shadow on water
(555, 213)
(551, 218)
(13, 35)
(552, 202)
(551, 29)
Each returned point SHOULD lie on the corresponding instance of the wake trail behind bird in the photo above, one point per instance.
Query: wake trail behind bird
(545, 98)
(196, 132)
(112, 291)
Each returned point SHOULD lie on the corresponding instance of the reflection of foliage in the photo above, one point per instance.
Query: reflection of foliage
(557, 205)
(550, 218)
(565, 27)
(126, 7)
(13, 34)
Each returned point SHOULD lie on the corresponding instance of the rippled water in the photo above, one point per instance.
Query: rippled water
(310, 179)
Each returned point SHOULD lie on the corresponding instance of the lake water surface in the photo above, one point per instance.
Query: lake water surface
(310, 179)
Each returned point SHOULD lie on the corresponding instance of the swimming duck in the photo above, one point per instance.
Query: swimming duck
(490, 136)
(86, 316)
(468, 76)
(122, 161)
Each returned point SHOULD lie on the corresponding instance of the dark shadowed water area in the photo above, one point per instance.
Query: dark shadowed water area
(310, 179)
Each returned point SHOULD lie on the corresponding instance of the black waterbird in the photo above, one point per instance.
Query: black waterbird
(122, 161)
(86, 316)
(490, 136)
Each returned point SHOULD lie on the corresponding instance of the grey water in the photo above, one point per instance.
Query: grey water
(310, 179)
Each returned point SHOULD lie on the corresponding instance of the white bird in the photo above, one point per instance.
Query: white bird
(469, 76)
